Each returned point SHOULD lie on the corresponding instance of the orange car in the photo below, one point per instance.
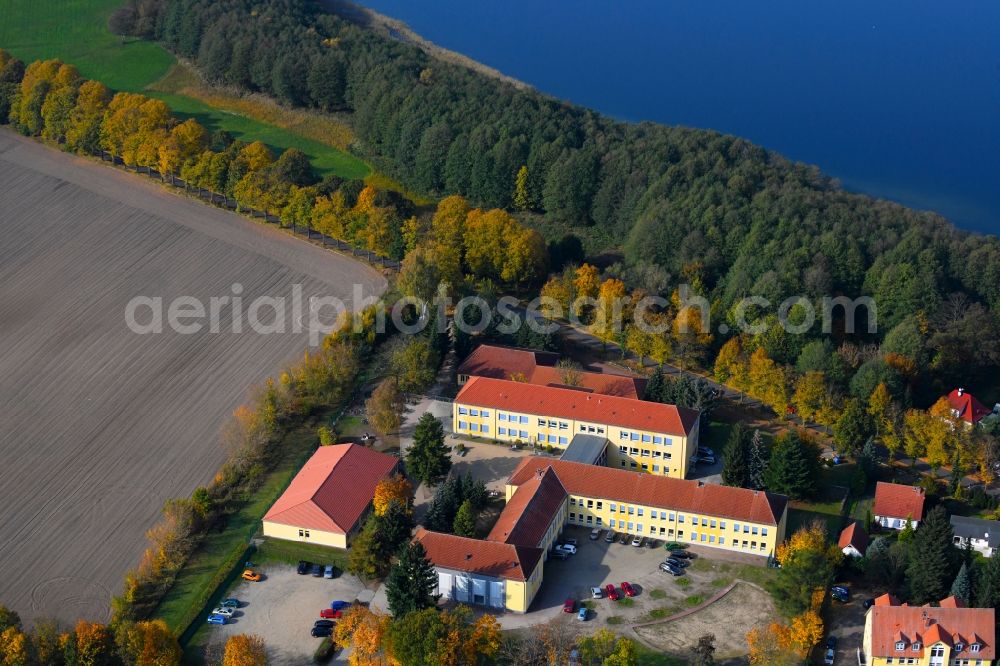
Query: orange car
(251, 575)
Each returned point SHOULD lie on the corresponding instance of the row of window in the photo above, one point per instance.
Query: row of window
(645, 453)
(594, 429)
(563, 425)
(639, 511)
(936, 651)
(475, 427)
(485, 413)
(644, 466)
(638, 528)
(649, 439)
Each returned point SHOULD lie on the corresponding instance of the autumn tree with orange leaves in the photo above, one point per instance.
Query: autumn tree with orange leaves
(245, 650)
(394, 489)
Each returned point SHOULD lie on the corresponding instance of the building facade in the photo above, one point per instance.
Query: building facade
(982, 536)
(644, 436)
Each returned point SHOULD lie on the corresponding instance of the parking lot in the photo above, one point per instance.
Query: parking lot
(282, 609)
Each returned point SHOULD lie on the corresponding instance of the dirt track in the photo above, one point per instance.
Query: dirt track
(99, 425)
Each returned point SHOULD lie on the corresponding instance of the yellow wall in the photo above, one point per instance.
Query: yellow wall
(279, 531)
(665, 523)
(923, 658)
(667, 458)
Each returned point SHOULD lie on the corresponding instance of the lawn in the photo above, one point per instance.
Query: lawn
(75, 31)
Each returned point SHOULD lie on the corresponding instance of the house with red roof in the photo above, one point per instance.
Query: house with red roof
(948, 634)
(966, 408)
(853, 540)
(644, 436)
(895, 504)
(327, 501)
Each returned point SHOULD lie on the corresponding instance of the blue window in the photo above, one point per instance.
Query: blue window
(722, 524)
(563, 440)
(461, 425)
(486, 428)
(722, 541)
(523, 434)
(502, 431)
(657, 439)
(463, 410)
(502, 416)
(485, 414)
(680, 518)
(474, 427)
(647, 438)
(703, 537)
(754, 531)
(623, 435)
(553, 439)
(736, 527)
(667, 441)
(524, 419)
(639, 511)
(634, 436)
(763, 531)
(473, 412)
(711, 538)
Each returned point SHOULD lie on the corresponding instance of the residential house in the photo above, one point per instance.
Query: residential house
(328, 499)
(895, 504)
(966, 408)
(853, 540)
(946, 635)
(982, 535)
(647, 436)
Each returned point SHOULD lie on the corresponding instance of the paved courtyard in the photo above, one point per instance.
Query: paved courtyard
(282, 609)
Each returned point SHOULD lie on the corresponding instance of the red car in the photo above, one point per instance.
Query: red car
(569, 606)
(331, 614)
(611, 592)
(628, 589)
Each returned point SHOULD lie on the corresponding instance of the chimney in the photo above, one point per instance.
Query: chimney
(539, 472)
(961, 391)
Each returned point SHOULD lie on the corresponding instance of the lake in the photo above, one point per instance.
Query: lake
(896, 98)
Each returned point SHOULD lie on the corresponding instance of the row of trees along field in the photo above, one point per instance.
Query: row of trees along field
(678, 203)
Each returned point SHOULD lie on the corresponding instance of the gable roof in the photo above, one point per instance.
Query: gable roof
(571, 404)
(854, 535)
(968, 408)
(658, 491)
(332, 489)
(489, 558)
(898, 501)
(977, 528)
(929, 625)
(538, 368)
(530, 511)
(886, 600)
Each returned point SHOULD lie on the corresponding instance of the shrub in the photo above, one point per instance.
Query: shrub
(325, 651)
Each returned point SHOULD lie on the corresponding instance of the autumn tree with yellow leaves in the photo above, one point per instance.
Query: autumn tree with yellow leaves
(393, 489)
(245, 650)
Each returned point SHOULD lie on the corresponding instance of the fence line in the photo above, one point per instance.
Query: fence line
(229, 203)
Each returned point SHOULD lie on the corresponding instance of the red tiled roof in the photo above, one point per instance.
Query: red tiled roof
(969, 409)
(570, 404)
(530, 510)
(332, 489)
(854, 535)
(537, 367)
(489, 558)
(658, 491)
(931, 625)
(952, 602)
(898, 501)
(886, 600)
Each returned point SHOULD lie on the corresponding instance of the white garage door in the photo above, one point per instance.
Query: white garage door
(461, 588)
(444, 586)
(496, 594)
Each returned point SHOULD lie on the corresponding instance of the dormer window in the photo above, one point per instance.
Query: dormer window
(900, 645)
(916, 647)
(959, 647)
(975, 647)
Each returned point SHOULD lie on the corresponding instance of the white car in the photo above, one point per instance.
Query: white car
(637, 541)
(596, 593)
(567, 548)
(223, 611)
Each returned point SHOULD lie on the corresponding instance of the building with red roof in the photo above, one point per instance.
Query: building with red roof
(644, 436)
(328, 499)
(895, 504)
(853, 540)
(966, 408)
(948, 634)
(539, 367)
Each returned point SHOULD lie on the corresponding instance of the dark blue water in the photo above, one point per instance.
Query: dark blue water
(896, 98)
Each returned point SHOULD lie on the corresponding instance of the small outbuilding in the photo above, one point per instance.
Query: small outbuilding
(853, 540)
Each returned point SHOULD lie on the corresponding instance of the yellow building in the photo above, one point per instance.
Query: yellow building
(328, 499)
(732, 519)
(644, 436)
(944, 635)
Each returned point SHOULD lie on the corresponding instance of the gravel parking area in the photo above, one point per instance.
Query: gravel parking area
(847, 623)
(282, 609)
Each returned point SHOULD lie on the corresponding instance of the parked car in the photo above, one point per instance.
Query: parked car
(231, 602)
(628, 589)
(596, 593)
(317, 570)
(637, 541)
(251, 575)
(303, 568)
(840, 593)
(831, 650)
(624, 538)
(216, 619)
(582, 615)
(324, 623)
(321, 632)
(674, 546)
(707, 460)
(611, 591)
(569, 606)
(670, 569)
(328, 571)
(570, 542)
(610, 536)
(652, 543)
(568, 547)
(339, 605)
(595, 534)
(560, 554)
(222, 610)
(705, 451)
(680, 564)
(331, 614)
(868, 603)
(683, 554)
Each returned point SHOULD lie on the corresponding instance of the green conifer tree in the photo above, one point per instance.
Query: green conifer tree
(961, 588)
(465, 520)
(411, 582)
(758, 460)
(736, 467)
(933, 558)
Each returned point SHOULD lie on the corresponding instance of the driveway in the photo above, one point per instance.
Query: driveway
(847, 623)
(282, 609)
